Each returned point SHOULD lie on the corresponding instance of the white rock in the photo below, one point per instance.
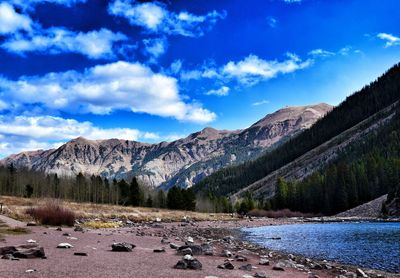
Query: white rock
(189, 239)
(31, 241)
(188, 257)
(65, 245)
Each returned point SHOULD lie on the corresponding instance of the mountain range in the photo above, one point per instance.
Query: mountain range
(183, 162)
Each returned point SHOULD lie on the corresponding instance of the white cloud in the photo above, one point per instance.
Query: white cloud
(56, 128)
(321, 53)
(155, 48)
(272, 21)
(23, 133)
(223, 91)
(261, 102)
(390, 39)
(176, 66)
(344, 51)
(252, 69)
(3, 105)
(28, 4)
(93, 44)
(155, 18)
(11, 21)
(103, 89)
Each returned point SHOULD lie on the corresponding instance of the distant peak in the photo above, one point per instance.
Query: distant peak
(318, 110)
(80, 140)
(209, 130)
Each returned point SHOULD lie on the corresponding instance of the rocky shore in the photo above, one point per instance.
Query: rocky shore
(158, 249)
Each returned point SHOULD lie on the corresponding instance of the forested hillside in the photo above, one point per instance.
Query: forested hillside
(357, 107)
(363, 171)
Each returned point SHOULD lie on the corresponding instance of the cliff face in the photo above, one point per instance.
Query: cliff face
(182, 162)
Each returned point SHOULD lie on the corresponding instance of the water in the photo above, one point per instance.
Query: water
(370, 245)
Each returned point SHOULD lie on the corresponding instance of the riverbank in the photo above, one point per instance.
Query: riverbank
(212, 243)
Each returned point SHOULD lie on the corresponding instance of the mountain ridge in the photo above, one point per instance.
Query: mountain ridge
(181, 162)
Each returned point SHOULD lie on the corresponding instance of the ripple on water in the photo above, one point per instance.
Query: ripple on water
(371, 245)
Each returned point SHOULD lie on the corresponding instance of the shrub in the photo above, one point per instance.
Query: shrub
(101, 225)
(283, 213)
(53, 214)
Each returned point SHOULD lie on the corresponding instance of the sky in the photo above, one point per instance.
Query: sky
(155, 71)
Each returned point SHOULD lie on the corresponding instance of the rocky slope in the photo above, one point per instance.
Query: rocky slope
(182, 162)
(318, 157)
(372, 209)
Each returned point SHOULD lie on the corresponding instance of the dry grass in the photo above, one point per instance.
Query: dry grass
(16, 207)
(100, 225)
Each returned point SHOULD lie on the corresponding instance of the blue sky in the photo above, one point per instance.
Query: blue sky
(154, 71)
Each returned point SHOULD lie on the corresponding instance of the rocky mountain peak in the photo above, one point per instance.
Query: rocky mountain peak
(182, 162)
(306, 113)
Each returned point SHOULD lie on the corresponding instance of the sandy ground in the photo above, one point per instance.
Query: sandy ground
(142, 262)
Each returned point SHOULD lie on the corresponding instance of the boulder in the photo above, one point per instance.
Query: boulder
(279, 266)
(188, 262)
(122, 247)
(226, 253)
(185, 251)
(159, 250)
(264, 261)
(241, 258)
(78, 229)
(28, 251)
(195, 264)
(247, 267)
(9, 257)
(181, 265)
(196, 249)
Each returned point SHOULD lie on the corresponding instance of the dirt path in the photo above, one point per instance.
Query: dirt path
(11, 222)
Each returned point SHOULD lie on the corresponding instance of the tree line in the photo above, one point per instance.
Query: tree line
(95, 189)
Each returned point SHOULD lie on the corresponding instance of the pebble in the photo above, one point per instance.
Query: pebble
(261, 274)
(226, 265)
(80, 254)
